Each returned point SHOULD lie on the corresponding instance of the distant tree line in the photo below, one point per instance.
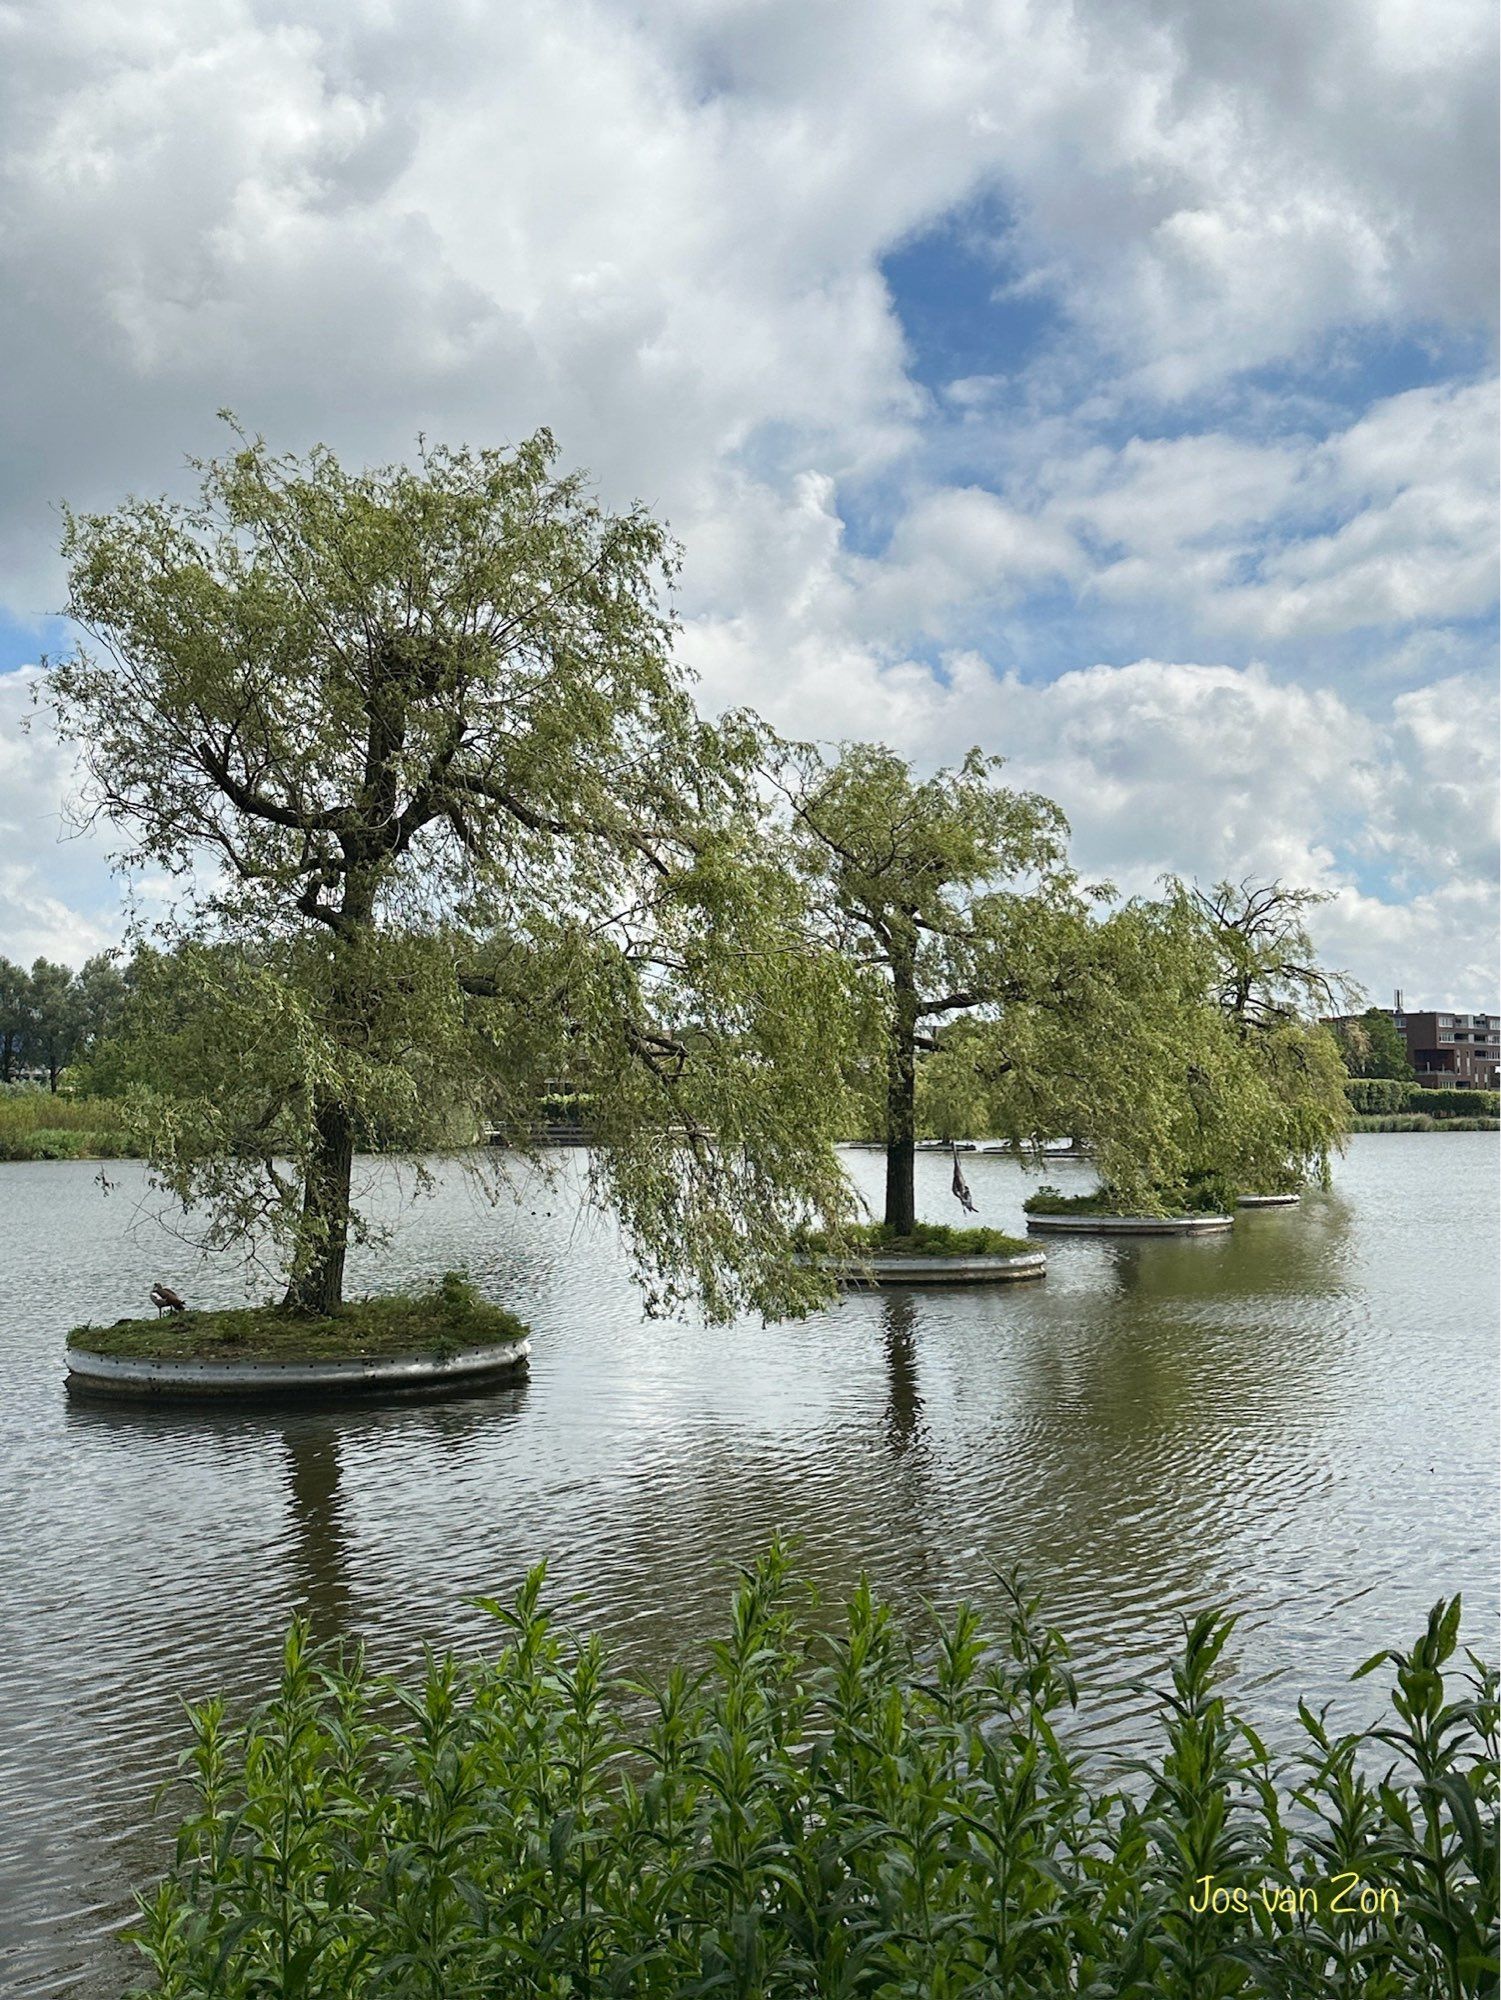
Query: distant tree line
(52, 1015)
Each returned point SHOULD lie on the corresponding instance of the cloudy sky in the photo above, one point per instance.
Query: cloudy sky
(1108, 383)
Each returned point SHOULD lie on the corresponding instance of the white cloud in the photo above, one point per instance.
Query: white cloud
(1390, 522)
(56, 898)
(1156, 494)
(659, 229)
(1213, 771)
(1415, 480)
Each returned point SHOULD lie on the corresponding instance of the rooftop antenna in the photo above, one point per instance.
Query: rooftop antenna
(1397, 998)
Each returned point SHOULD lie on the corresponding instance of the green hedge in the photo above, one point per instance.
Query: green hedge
(1374, 1095)
(877, 1814)
(1412, 1121)
(1454, 1103)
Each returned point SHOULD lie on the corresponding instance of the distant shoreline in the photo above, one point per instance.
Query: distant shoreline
(47, 1144)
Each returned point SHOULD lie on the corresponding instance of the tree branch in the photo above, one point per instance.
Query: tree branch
(256, 804)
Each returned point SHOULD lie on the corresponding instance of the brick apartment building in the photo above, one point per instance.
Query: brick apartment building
(1449, 1051)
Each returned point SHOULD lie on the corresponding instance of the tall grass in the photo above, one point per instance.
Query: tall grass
(866, 1815)
(36, 1125)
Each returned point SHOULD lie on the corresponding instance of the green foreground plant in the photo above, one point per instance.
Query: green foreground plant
(868, 1813)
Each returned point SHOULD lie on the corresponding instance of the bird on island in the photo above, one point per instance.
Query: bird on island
(166, 1300)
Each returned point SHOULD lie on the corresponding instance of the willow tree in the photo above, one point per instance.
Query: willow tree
(1002, 996)
(1173, 1035)
(445, 826)
(1116, 1042)
(1291, 1109)
(952, 895)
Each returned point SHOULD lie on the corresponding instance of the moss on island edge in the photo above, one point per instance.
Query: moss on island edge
(443, 1322)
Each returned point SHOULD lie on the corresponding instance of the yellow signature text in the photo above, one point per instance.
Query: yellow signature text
(1341, 1896)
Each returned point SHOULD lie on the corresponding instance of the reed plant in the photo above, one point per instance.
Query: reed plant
(878, 1812)
(38, 1125)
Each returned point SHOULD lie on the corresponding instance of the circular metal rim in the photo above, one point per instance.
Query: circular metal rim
(119, 1374)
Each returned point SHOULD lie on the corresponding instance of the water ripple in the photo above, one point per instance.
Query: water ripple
(1299, 1417)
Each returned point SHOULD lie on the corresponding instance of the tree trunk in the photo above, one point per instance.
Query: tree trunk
(318, 1285)
(901, 1101)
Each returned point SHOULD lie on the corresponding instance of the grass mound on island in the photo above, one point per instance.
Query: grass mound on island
(928, 1239)
(847, 1806)
(442, 1322)
(1170, 1203)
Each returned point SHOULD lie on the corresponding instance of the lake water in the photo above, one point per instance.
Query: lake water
(1300, 1416)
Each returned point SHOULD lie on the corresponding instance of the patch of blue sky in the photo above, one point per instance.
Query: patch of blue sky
(22, 641)
(957, 299)
(1057, 629)
(1313, 394)
(1359, 367)
(1377, 875)
(870, 510)
(1037, 637)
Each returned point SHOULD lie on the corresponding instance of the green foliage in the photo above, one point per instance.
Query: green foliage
(59, 1143)
(565, 1107)
(1374, 1094)
(1378, 1094)
(1003, 998)
(924, 1239)
(1204, 1196)
(1167, 1042)
(873, 1813)
(1372, 1046)
(451, 1317)
(51, 1015)
(14, 981)
(1286, 1109)
(448, 829)
(1454, 1103)
(50, 1027)
(946, 896)
(35, 1125)
(1268, 970)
